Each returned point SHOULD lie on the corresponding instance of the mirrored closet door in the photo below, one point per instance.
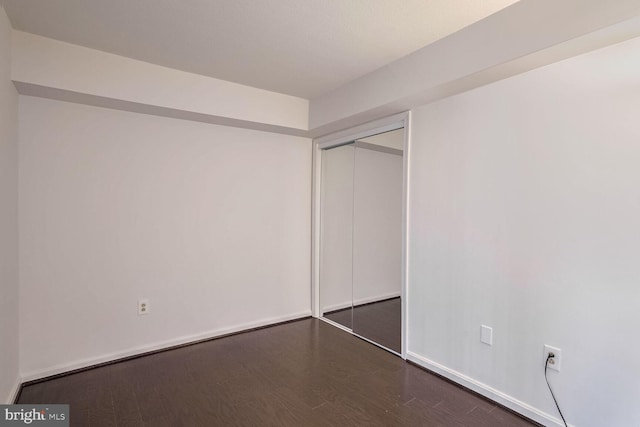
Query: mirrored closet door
(361, 237)
(336, 234)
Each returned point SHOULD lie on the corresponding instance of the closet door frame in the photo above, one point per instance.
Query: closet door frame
(387, 124)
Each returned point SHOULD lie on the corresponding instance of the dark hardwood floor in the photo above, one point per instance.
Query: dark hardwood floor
(378, 321)
(304, 373)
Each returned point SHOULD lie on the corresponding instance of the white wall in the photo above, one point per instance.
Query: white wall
(504, 44)
(8, 219)
(50, 68)
(525, 216)
(211, 223)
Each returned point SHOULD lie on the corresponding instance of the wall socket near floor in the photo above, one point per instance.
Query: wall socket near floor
(486, 335)
(143, 306)
(556, 361)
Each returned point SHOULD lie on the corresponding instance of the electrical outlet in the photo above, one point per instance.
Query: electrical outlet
(556, 361)
(143, 306)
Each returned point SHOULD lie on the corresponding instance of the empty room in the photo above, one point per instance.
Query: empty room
(320, 213)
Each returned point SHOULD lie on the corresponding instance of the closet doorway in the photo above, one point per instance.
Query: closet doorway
(359, 226)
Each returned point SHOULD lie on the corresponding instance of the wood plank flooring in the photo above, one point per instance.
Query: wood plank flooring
(304, 373)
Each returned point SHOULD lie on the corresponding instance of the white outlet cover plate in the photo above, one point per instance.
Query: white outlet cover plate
(486, 335)
(143, 303)
(557, 353)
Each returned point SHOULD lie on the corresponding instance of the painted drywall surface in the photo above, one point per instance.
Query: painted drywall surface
(377, 224)
(211, 223)
(524, 216)
(504, 44)
(273, 45)
(50, 64)
(8, 218)
(336, 228)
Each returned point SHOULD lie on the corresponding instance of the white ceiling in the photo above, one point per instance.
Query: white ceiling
(298, 47)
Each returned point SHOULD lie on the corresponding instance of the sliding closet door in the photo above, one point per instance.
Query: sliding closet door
(336, 231)
(377, 242)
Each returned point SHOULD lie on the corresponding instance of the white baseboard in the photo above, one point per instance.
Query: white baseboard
(84, 363)
(13, 393)
(487, 391)
(360, 301)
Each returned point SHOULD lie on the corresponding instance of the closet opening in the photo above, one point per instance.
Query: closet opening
(359, 232)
